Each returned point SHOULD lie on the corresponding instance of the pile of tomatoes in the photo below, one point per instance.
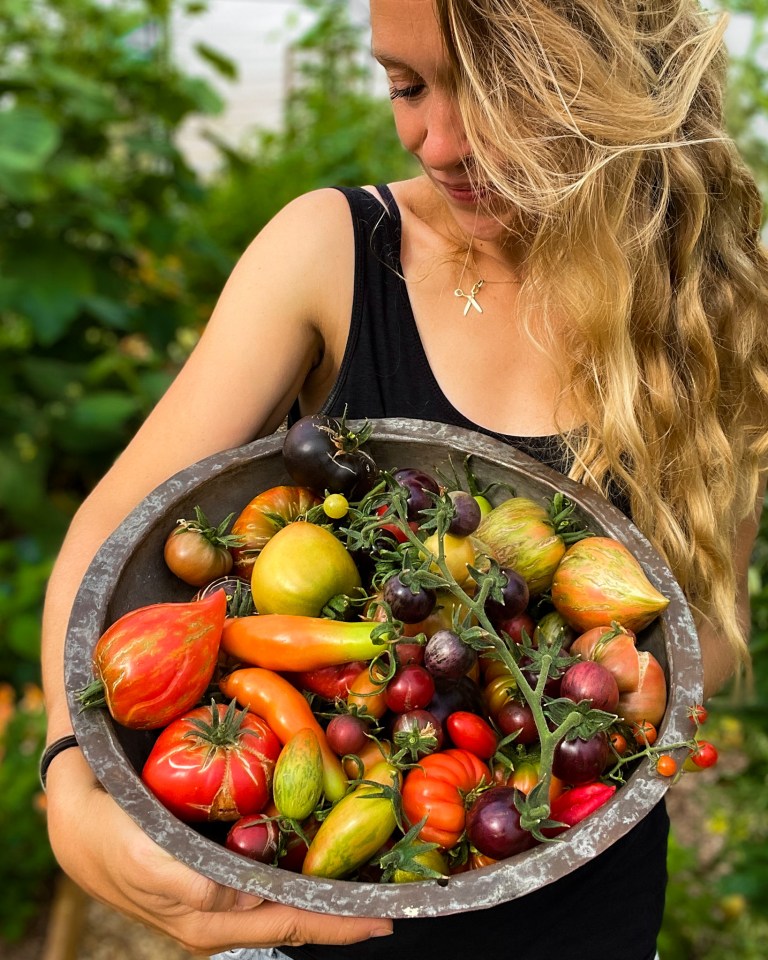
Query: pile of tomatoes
(380, 677)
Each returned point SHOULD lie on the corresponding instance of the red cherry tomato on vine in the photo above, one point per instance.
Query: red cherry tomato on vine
(702, 756)
(666, 766)
(468, 731)
(644, 733)
(699, 714)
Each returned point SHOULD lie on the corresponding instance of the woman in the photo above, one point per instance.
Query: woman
(577, 270)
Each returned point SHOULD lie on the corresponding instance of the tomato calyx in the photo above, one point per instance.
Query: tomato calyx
(699, 714)
(216, 535)
(343, 605)
(238, 593)
(565, 523)
(410, 856)
(414, 741)
(221, 730)
(534, 810)
(92, 695)
(344, 439)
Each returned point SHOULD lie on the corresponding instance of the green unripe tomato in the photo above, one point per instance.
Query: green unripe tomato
(297, 785)
(431, 858)
(299, 569)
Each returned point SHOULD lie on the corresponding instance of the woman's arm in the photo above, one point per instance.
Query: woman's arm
(288, 298)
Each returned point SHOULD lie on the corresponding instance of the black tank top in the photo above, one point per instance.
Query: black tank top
(609, 909)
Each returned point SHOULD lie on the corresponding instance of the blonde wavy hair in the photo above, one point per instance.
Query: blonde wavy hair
(601, 121)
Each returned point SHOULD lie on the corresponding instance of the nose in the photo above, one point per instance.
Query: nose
(444, 145)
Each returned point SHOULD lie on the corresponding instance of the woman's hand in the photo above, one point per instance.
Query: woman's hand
(114, 861)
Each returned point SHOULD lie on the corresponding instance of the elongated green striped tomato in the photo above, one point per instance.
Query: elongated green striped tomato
(300, 569)
(294, 643)
(155, 663)
(298, 782)
(599, 581)
(355, 829)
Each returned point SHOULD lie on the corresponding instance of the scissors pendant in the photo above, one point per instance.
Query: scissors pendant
(470, 297)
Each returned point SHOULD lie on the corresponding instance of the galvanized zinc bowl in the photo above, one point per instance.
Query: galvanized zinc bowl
(129, 572)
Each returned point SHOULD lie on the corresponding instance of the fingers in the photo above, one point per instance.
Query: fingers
(274, 925)
(207, 917)
(306, 927)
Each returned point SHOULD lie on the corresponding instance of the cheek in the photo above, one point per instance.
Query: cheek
(409, 128)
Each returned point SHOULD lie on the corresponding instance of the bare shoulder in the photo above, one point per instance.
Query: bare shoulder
(300, 256)
(307, 222)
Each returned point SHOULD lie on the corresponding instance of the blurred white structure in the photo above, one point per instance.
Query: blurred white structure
(256, 35)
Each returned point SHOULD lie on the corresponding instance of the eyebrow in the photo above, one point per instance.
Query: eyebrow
(387, 61)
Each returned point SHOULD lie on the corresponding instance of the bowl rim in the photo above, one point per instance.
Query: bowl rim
(472, 890)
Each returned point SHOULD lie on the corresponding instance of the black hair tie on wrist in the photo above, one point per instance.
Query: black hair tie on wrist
(52, 751)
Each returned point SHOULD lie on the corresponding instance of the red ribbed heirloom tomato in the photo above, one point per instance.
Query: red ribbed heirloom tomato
(214, 763)
(260, 520)
(155, 663)
(436, 789)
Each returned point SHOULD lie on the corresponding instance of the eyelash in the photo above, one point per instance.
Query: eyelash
(406, 93)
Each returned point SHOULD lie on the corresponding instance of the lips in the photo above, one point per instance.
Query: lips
(463, 192)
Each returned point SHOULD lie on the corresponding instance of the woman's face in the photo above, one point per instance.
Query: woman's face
(406, 41)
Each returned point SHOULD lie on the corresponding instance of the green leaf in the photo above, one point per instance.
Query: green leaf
(51, 282)
(27, 139)
(223, 65)
(49, 378)
(102, 413)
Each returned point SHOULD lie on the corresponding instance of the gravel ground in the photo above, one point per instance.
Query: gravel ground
(92, 931)
(107, 935)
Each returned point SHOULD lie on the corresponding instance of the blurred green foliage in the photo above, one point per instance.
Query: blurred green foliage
(27, 862)
(112, 252)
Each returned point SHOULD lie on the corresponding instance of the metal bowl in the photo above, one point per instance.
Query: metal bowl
(129, 572)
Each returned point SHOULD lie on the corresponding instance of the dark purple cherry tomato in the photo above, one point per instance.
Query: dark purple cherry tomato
(447, 657)
(515, 626)
(515, 596)
(462, 694)
(516, 717)
(581, 761)
(346, 733)
(418, 485)
(411, 688)
(493, 824)
(322, 453)
(468, 514)
(408, 604)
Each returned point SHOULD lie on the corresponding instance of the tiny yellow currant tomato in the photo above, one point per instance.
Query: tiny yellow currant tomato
(336, 506)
